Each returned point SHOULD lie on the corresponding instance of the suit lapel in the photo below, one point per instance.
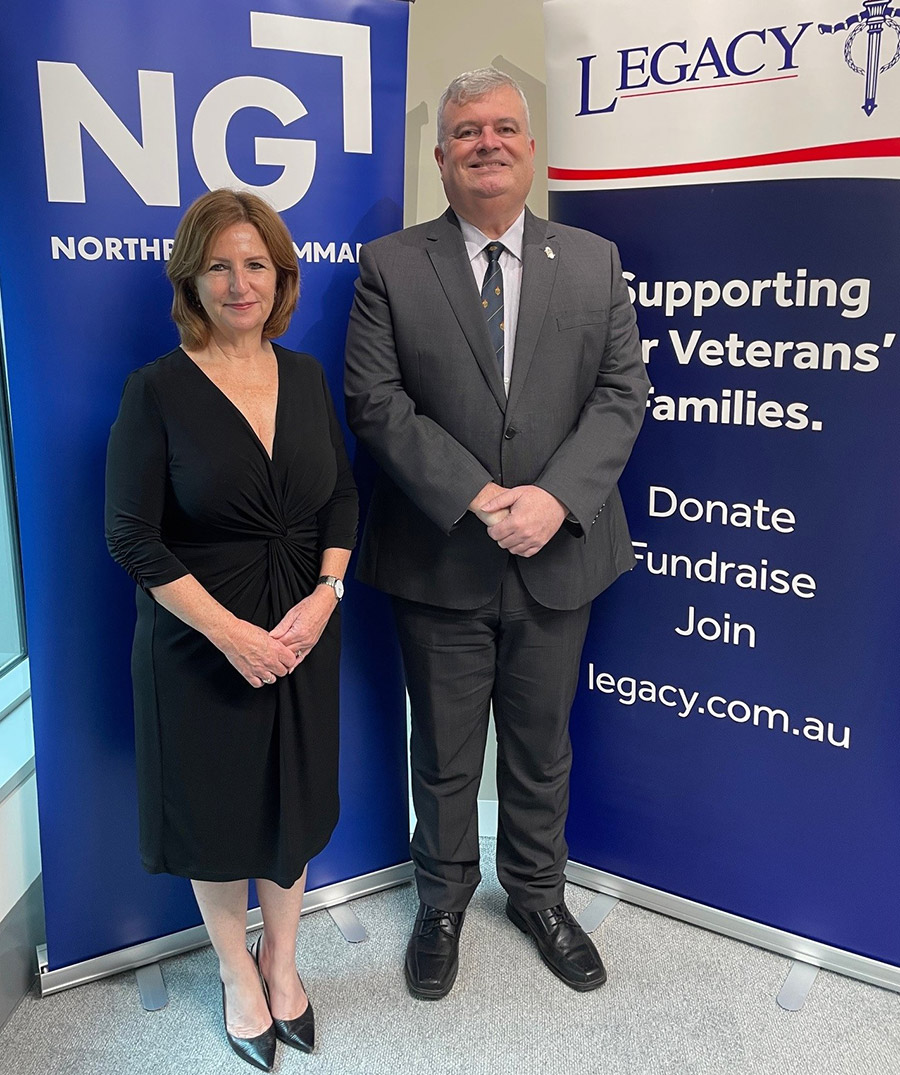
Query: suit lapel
(539, 259)
(451, 263)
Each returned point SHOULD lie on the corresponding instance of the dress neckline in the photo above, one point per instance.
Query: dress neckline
(237, 410)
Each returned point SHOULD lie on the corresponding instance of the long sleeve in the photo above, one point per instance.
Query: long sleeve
(136, 475)
(337, 520)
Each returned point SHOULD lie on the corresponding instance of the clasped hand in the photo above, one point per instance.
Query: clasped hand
(262, 656)
(302, 626)
(258, 656)
(528, 518)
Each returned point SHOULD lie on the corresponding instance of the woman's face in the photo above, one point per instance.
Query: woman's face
(237, 286)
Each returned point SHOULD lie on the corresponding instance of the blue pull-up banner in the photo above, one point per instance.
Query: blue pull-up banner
(113, 119)
(736, 726)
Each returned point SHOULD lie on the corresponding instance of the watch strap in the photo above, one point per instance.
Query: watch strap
(334, 582)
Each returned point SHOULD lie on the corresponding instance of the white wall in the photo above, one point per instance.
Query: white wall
(20, 857)
(448, 37)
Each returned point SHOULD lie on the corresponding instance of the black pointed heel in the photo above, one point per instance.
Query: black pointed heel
(258, 1051)
(299, 1033)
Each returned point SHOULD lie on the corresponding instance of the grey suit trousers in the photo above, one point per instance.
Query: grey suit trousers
(524, 659)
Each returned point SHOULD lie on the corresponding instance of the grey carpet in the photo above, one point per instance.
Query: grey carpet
(680, 1001)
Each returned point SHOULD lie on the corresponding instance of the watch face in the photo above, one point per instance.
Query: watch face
(338, 589)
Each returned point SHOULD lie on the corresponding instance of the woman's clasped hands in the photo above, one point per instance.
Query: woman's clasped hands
(259, 657)
(301, 627)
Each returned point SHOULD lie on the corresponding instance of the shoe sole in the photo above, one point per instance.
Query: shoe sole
(580, 987)
(429, 994)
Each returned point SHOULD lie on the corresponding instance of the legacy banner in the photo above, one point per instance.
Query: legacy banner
(114, 117)
(735, 729)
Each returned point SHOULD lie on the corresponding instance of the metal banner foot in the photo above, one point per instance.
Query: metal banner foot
(796, 986)
(152, 987)
(599, 907)
(344, 917)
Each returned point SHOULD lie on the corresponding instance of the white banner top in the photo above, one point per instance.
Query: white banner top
(633, 101)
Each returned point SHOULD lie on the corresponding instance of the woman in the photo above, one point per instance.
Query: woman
(231, 503)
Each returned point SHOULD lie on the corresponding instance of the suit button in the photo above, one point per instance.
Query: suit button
(510, 433)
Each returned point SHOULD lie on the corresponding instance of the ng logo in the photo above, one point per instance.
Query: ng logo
(69, 103)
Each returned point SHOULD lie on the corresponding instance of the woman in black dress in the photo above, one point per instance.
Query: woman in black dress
(231, 503)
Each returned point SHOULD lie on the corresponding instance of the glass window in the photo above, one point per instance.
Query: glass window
(12, 632)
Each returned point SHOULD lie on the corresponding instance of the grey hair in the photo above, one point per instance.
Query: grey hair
(470, 86)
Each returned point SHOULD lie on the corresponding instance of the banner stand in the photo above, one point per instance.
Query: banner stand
(114, 136)
(173, 944)
(758, 934)
(734, 729)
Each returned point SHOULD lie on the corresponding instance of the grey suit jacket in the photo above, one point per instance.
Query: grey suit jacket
(425, 396)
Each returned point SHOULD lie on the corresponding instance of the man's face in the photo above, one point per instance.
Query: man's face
(487, 154)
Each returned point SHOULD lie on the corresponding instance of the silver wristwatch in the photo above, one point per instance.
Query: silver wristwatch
(334, 583)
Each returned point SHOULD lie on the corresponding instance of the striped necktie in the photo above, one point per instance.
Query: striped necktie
(492, 299)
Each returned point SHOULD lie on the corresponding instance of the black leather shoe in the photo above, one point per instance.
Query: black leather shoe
(564, 946)
(258, 1051)
(432, 955)
(299, 1033)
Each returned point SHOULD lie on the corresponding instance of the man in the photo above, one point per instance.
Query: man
(494, 372)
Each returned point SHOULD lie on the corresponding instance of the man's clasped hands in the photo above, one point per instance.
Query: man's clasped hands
(522, 519)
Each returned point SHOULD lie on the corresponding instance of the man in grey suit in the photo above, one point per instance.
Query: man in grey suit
(495, 374)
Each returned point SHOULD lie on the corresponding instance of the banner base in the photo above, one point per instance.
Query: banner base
(139, 955)
(802, 949)
(351, 929)
(800, 979)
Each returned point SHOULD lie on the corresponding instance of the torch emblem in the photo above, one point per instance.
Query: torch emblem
(871, 22)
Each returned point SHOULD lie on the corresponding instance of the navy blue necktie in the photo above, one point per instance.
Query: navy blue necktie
(492, 299)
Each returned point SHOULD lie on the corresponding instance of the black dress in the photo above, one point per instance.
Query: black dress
(233, 781)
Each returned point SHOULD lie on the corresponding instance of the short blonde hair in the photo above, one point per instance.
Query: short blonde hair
(199, 226)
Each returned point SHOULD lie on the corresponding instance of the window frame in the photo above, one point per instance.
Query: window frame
(14, 677)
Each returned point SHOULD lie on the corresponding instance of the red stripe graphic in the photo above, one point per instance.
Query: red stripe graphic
(876, 147)
(711, 86)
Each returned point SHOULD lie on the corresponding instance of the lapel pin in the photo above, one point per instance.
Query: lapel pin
(548, 250)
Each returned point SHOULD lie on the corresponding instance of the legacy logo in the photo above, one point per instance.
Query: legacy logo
(876, 16)
(759, 55)
(70, 103)
(680, 65)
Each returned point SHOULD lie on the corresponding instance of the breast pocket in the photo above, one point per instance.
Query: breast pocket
(581, 319)
(581, 335)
